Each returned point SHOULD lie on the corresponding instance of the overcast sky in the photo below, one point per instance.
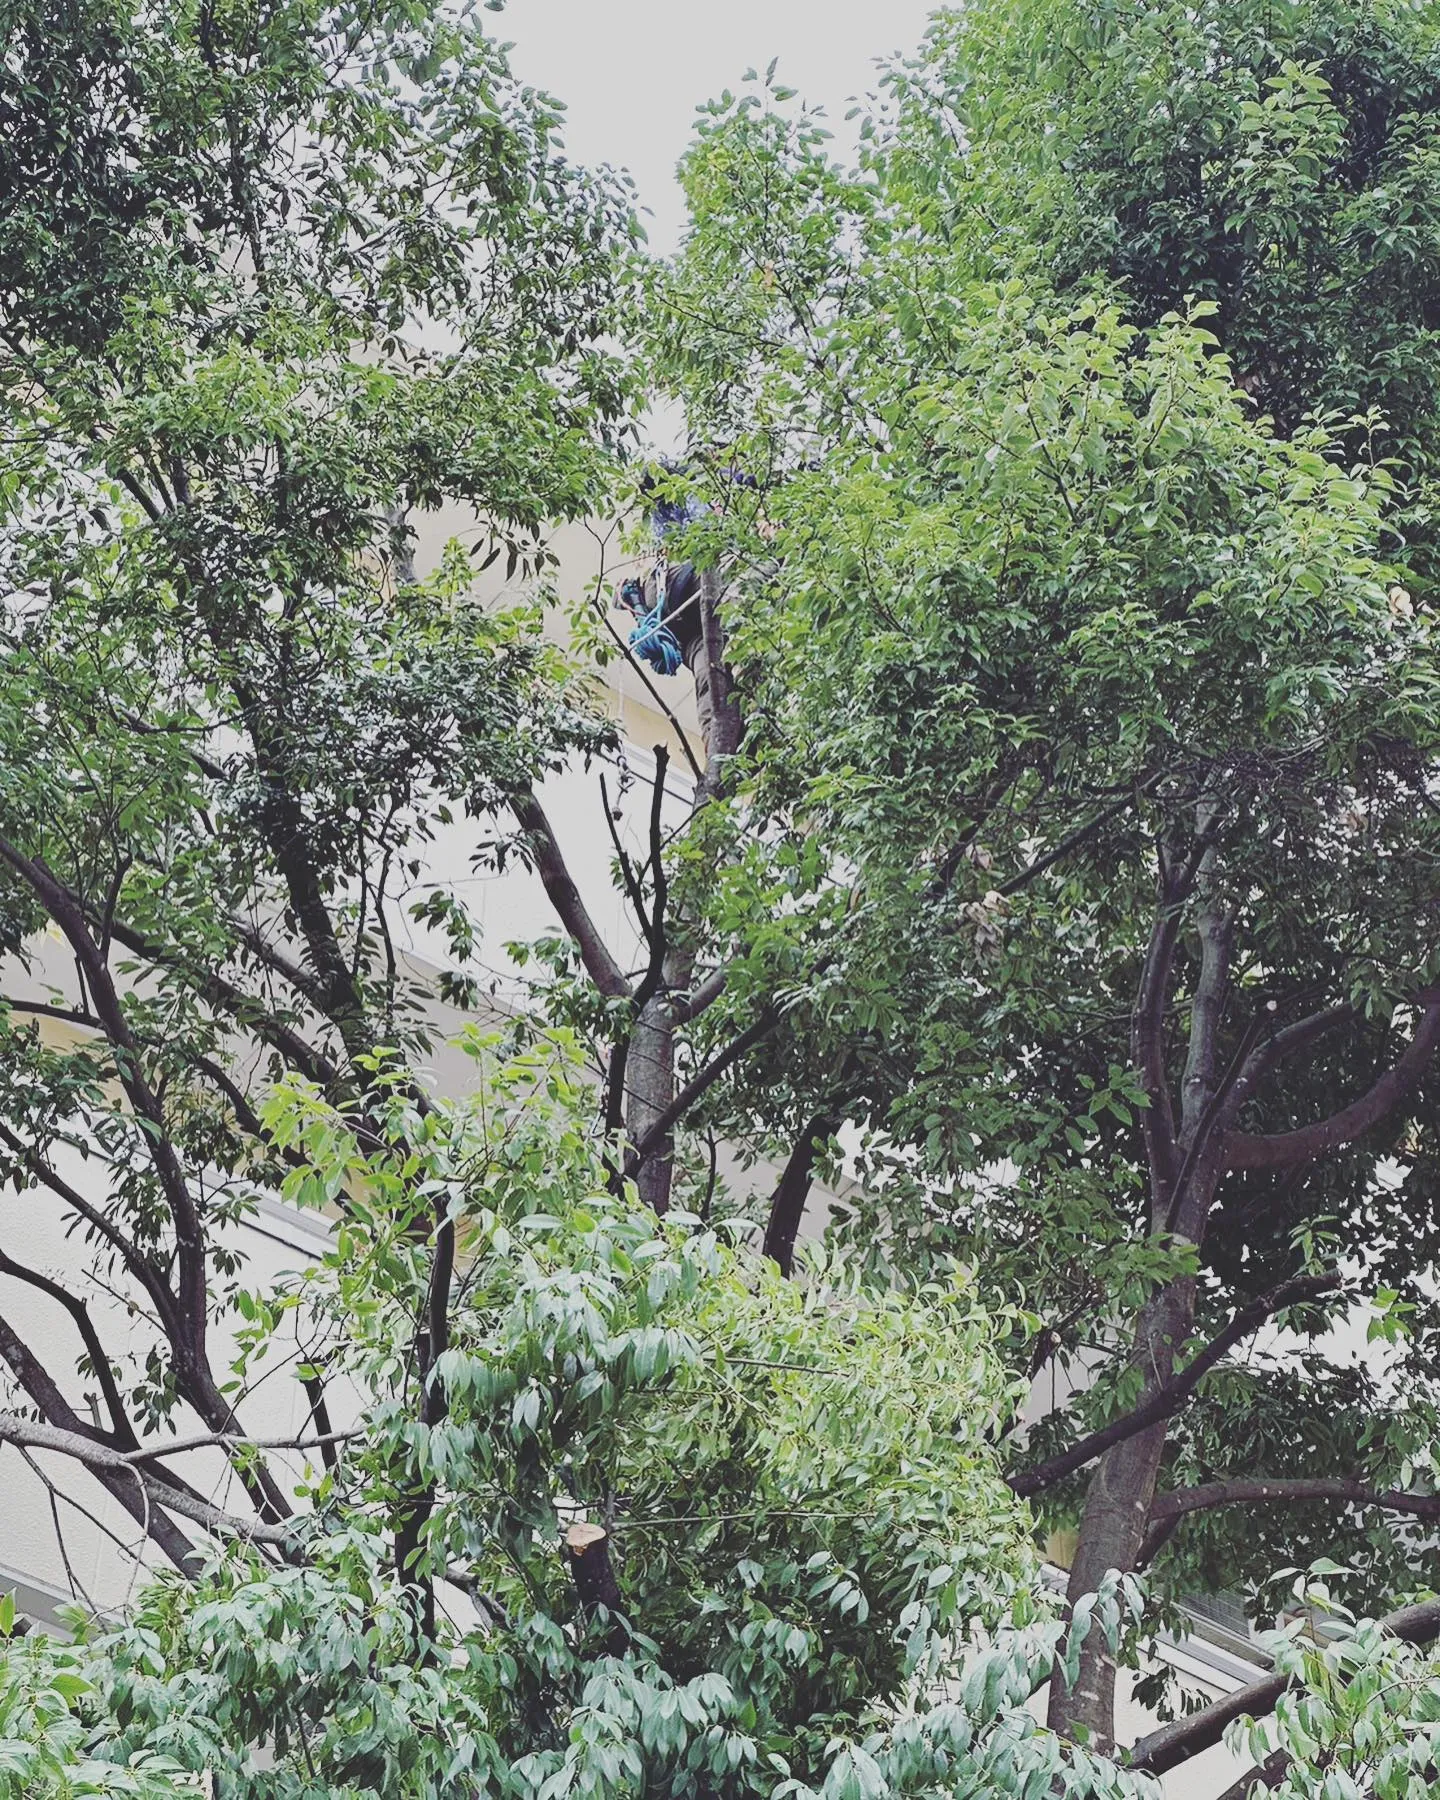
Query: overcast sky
(631, 72)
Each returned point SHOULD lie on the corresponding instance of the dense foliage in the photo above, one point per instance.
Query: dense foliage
(274, 280)
(806, 1514)
(1062, 846)
(1085, 842)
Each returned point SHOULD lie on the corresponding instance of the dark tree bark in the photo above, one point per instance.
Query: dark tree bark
(1190, 1147)
(787, 1204)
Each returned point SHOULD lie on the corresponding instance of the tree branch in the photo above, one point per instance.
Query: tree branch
(122, 1431)
(1168, 1400)
(1285, 1149)
(1284, 1490)
(787, 1204)
(66, 909)
(1178, 1742)
(700, 1084)
(1147, 1050)
(1216, 926)
(233, 1001)
(686, 1007)
(236, 1440)
(105, 1461)
(1073, 841)
(1269, 1773)
(148, 1277)
(280, 964)
(122, 1482)
(564, 896)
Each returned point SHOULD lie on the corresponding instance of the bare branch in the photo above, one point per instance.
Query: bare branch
(236, 1440)
(122, 1431)
(102, 1459)
(1285, 1149)
(686, 1007)
(1176, 1743)
(1283, 1490)
(1168, 1400)
(564, 896)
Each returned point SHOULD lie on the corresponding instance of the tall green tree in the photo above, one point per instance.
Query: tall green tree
(1083, 854)
(273, 280)
(577, 1505)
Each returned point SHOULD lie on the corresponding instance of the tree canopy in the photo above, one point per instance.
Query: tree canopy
(1088, 782)
(1059, 865)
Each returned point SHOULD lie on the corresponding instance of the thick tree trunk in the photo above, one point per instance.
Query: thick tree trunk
(787, 1203)
(650, 1088)
(1184, 1175)
(1116, 1516)
(721, 726)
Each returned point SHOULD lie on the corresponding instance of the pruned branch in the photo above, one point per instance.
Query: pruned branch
(587, 1552)
(1169, 1399)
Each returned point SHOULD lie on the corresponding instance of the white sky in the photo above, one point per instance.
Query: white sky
(631, 72)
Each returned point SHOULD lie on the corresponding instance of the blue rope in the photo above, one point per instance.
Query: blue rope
(653, 640)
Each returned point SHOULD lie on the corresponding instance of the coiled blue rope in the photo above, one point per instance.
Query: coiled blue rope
(654, 641)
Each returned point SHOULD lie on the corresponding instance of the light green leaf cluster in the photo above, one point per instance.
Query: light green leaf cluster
(803, 1510)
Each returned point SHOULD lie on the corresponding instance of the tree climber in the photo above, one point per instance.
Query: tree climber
(665, 602)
